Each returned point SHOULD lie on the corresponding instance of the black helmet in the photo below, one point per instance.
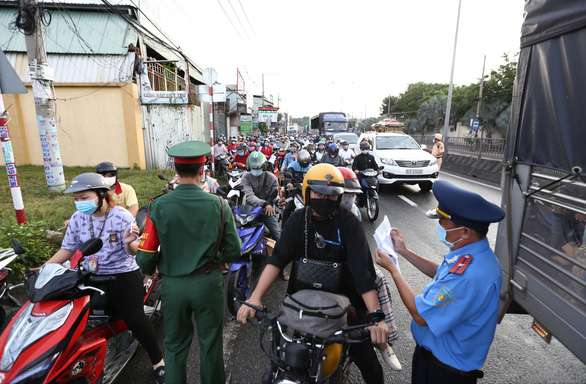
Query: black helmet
(241, 147)
(303, 158)
(105, 167)
(364, 145)
(87, 181)
(344, 142)
(333, 150)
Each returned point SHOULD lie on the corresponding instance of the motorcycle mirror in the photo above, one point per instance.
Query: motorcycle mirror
(91, 246)
(162, 177)
(380, 168)
(288, 175)
(374, 317)
(18, 249)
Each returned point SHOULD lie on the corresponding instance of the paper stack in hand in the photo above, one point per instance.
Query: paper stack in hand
(382, 236)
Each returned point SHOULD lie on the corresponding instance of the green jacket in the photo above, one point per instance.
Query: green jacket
(186, 224)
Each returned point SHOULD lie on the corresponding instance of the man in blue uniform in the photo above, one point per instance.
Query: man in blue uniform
(454, 319)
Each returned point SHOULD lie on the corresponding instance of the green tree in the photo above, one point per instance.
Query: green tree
(499, 84)
(432, 113)
(263, 127)
(384, 108)
(365, 124)
(408, 103)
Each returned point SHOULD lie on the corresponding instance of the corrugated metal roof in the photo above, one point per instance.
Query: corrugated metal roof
(77, 32)
(80, 68)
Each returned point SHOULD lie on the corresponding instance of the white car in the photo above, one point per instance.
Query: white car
(403, 159)
(351, 138)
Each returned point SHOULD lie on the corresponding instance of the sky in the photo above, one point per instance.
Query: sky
(324, 55)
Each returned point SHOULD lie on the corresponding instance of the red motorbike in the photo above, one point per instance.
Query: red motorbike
(66, 332)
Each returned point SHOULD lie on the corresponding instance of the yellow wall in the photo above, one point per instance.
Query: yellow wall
(95, 123)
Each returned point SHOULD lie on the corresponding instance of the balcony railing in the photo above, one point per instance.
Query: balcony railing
(165, 79)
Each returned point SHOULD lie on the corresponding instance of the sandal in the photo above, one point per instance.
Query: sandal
(285, 275)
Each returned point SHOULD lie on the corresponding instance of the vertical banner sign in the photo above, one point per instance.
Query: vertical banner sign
(11, 171)
(51, 152)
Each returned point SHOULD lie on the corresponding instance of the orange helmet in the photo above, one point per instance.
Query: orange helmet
(323, 178)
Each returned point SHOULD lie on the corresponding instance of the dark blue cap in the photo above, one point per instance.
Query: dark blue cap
(464, 207)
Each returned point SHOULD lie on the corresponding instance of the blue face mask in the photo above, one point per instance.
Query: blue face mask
(87, 207)
(240, 153)
(442, 233)
(256, 172)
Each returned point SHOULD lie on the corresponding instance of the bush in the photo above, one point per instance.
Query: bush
(32, 237)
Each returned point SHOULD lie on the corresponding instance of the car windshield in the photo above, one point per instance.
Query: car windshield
(396, 142)
(351, 139)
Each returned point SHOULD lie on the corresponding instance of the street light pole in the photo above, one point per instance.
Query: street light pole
(449, 103)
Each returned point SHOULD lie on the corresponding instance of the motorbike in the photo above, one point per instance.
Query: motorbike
(304, 358)
(254, 252)
(6, 299)
(63, 334)
(235, 190)
(223, 164)
(294, 200)
(369, 183)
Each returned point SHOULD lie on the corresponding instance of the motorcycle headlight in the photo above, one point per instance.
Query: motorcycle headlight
(27, 329)
(389, 162)
(37, 372)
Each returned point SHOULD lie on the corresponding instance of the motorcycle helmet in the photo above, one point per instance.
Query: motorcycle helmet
(323, 178)
(252, 146)
(333, 150)
(365, 145)
(241, 147)
(351, 183)
(344, 142)
(106, 167)
(304, 158)
(256, 160)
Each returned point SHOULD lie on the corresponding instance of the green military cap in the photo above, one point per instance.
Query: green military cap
(190, 152)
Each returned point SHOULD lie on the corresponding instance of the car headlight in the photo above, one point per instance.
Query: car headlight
(389, 162)
(433, 162)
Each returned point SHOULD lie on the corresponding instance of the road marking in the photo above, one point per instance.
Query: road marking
(472, 181)
(411, 203)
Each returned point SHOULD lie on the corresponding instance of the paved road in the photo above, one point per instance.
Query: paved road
(517, 355)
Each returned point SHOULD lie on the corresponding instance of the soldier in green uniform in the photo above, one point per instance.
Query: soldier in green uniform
(186, 225)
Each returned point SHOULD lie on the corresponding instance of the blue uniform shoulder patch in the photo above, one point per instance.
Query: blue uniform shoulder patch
(443, 297)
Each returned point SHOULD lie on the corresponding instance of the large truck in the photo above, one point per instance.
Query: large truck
(329, 123)
(541, 243)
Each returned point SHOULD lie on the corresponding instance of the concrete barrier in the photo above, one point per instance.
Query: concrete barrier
(486, 170)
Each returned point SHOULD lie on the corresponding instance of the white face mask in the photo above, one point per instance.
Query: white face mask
(348, 200)
(364, 151)
(110, 180)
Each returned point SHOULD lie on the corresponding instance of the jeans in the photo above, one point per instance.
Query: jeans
(272, 225)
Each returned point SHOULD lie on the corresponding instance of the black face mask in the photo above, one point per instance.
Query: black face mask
(323, 207)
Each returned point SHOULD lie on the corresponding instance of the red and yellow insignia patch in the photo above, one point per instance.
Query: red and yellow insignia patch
(443, 297)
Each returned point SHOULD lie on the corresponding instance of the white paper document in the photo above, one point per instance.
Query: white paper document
(382, 236)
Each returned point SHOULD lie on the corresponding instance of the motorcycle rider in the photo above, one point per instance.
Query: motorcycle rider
(297, 169)
(267, 150)
(332, 156)
(346, 153)
(99, 216)
(291, 156)
(258, 185)
(363, 161)
(321, 150)
(233, 145)
(241, 156)
(219, 149)
(123, 194)
(343, 239)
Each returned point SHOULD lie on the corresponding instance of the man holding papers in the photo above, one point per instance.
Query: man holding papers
(454, 319)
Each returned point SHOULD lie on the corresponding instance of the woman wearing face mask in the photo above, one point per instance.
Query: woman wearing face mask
(291, 156)
(321, 149)
(98, 216)
(332, 234)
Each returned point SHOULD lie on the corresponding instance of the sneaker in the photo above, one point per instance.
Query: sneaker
(160, 375)
(390, 358)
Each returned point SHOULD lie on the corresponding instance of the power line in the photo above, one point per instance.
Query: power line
(240, 22)
(245, 15)
(230, 20)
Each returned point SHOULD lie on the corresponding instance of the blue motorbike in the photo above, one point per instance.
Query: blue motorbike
(254, 252)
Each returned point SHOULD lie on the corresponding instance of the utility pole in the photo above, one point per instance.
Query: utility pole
(42, 78)
(449, 103)
(478, 107)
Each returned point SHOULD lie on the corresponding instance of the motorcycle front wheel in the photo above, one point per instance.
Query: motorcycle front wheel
(238, 287)
(372, 208)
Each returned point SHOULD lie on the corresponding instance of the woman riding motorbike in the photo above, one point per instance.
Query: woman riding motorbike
(99, 216)
(330, 234)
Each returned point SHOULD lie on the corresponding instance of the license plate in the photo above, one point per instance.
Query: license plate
(414, 171)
